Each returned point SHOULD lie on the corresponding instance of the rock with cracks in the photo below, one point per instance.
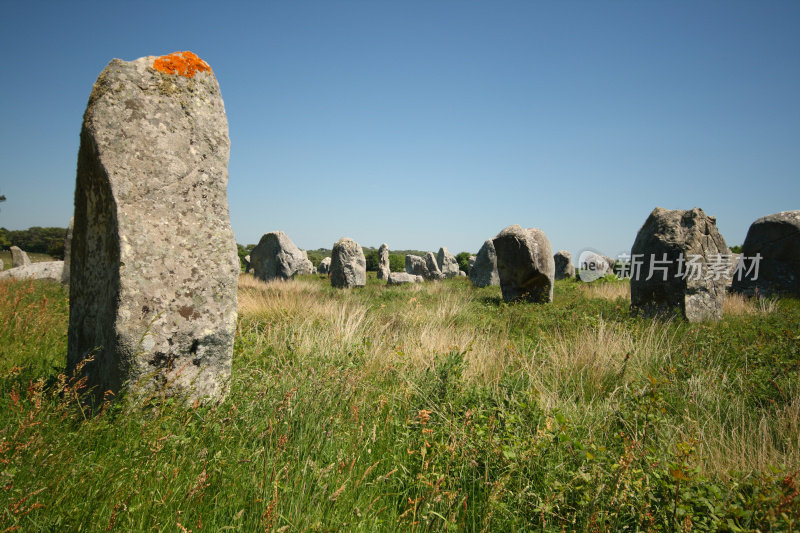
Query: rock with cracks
(348, 265)
(679, 250)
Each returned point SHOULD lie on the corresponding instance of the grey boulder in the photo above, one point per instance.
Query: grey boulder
(563, 264)
(447, 263)
(348, 265)
(525, 264)
(483, 271)
(401, 278)
(277, 258)
(776, 239)
(676, 249)
(383, 262)
(19, 257)
(43, 270)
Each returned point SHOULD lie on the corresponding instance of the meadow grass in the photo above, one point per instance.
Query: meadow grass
(429, 407)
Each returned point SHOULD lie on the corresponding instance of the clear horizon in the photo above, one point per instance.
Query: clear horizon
(427, 125)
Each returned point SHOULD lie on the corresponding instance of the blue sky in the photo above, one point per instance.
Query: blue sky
(427, 124)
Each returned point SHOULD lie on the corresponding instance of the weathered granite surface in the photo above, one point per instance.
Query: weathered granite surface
(154, 264)
(525, 264)
(348, 265)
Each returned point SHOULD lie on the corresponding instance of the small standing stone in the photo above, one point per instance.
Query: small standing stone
(325, 266)
(348, 265)
(247, 266)
(525, 264)
(483, 270)
(154, 266)
(447, 263)
(433, 267)
(383, 262)
(564, 267)
(19, 257)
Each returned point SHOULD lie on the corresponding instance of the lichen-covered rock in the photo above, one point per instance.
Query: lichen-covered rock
(776, 238)
(19, 257)
(524, 264)
(401, 278)
(277, 257)
(42, 270)
(563, 263)
(447, 263)
(154, 266)
(678, 247)
(67, 252)
(325, 266)
(348, 265)
(483, 271)
(383, 262)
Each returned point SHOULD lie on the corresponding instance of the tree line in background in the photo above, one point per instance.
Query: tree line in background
(36, 240)
(397, 260)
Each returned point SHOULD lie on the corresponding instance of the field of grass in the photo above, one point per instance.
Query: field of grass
(431, 407)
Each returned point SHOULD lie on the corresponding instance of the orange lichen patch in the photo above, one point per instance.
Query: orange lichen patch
(184, 64)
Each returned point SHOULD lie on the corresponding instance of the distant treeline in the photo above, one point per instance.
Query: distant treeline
(397, 258)
(36, 239)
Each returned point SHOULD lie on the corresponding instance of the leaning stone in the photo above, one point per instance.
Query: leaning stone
(401, 278)
(525, 264)
(67, 252)
(42, 270)
(447, 263)
(325, 266)
(277, 258)
(678, 248)
(154, 266)
(563, 263)
(776, 238)
(19, 257)
(383, 262)
(483, 271)
(348, 265)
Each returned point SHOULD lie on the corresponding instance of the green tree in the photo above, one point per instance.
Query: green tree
(463, 261)
(243, 252)
(397, 262)
(736, 249)
(373, 259)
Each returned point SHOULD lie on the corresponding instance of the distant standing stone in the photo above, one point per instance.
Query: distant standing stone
(348, 265)
(277, 257)
(447, 263)
(776, 238)
(247, 266)
(383, 262)
(433, 267)
(154, 263)
(1, 265)
(525, 264)
(483, 271)
(563, 263)
(415, 265)
(401, 278)
(19, 257)
(471, 262)
(325, 266)
(679, 247)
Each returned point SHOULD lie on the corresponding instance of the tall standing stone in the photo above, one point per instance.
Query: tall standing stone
(18, 257)
(348, 265)
(447, 263)
(563, 263)
(154, 265)
(676, 250)
(483, 271)
(775, 241)
(433, 267)
(525, 264)
(383, 262)
(67, 252)
(277, 257)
